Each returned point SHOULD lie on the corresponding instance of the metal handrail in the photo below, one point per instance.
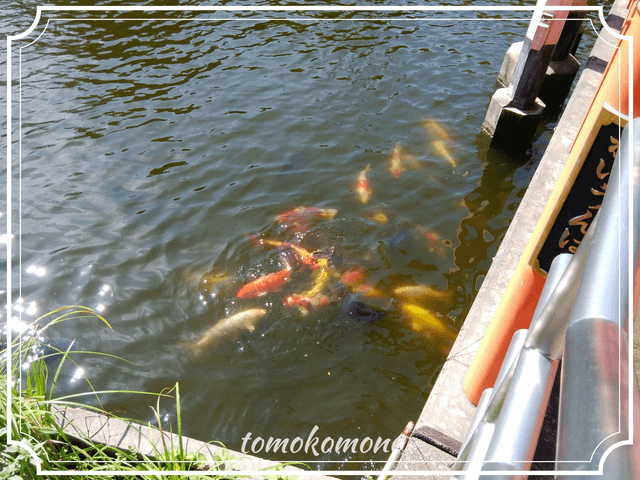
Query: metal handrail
(596, 393)
(575, 308)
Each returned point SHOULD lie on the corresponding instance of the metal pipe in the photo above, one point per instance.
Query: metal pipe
(518, 427)
(491, 436)
(522, 412)
(396, 450)
(595, 403)
(548, 333)
(469, 451)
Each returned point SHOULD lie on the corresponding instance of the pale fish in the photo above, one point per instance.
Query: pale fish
(227, 329)
(401, 160)
(442, 149)
(423, 320)
(435, 129)
(423, 293)
(363, 187)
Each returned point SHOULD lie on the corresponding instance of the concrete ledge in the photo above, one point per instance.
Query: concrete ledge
(81, 424)
(447, 408)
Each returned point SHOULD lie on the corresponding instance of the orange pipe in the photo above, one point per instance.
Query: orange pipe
(514, 312)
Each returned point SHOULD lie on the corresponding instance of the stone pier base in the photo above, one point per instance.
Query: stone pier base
(511, 127)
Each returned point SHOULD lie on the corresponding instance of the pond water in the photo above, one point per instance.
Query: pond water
(157, 151)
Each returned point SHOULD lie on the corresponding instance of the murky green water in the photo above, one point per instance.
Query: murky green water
(156, 148)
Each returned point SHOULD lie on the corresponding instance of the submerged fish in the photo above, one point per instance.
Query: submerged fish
(226, 329)
(423, 320)
(435, 129)
(306, 214)
(212, 281)
(264, 284)
(320, 280)
(422, 293)
(442, 149)
(400, 161)
(361, 311)
(378, 216)
(303, 256)
(396, 166)
(304, 303)
(363, 188)
(353, 277)
(401, 237)
(434, 240)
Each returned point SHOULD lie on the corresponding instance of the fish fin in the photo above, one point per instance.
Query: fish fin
(251, 328)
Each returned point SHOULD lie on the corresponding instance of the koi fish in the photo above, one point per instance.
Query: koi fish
(304, 303)
(320, 280)
(401, 238)
(442, 149)
(226, 329)
(435, 129)
(304, 256)
(212, 280)
(360, 311)
(353, 277)
(422, 293)
(264, 284)
(423, 320)
(434, 240)
(379, 217)
(400, 160)
(306, 214)
(396, 166)
(362, 186)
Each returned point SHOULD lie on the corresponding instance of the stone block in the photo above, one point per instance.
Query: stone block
(511, 128)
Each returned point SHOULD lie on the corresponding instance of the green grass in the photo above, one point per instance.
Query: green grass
(30, 420)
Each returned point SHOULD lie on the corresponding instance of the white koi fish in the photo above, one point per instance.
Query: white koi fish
(226, 329)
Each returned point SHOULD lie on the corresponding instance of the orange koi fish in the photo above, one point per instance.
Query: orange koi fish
(435, 129)
(264, 284)
(362, 186)
(442, 149)
(353, 278)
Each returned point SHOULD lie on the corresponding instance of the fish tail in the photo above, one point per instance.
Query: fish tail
(193, 350)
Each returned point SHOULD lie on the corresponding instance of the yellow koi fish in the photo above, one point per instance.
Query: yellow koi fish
(320, 280)
(379, 217)
(442, 149)
(435, 129)
(423, 320)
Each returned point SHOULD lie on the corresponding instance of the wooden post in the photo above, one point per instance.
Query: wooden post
(515, 111)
